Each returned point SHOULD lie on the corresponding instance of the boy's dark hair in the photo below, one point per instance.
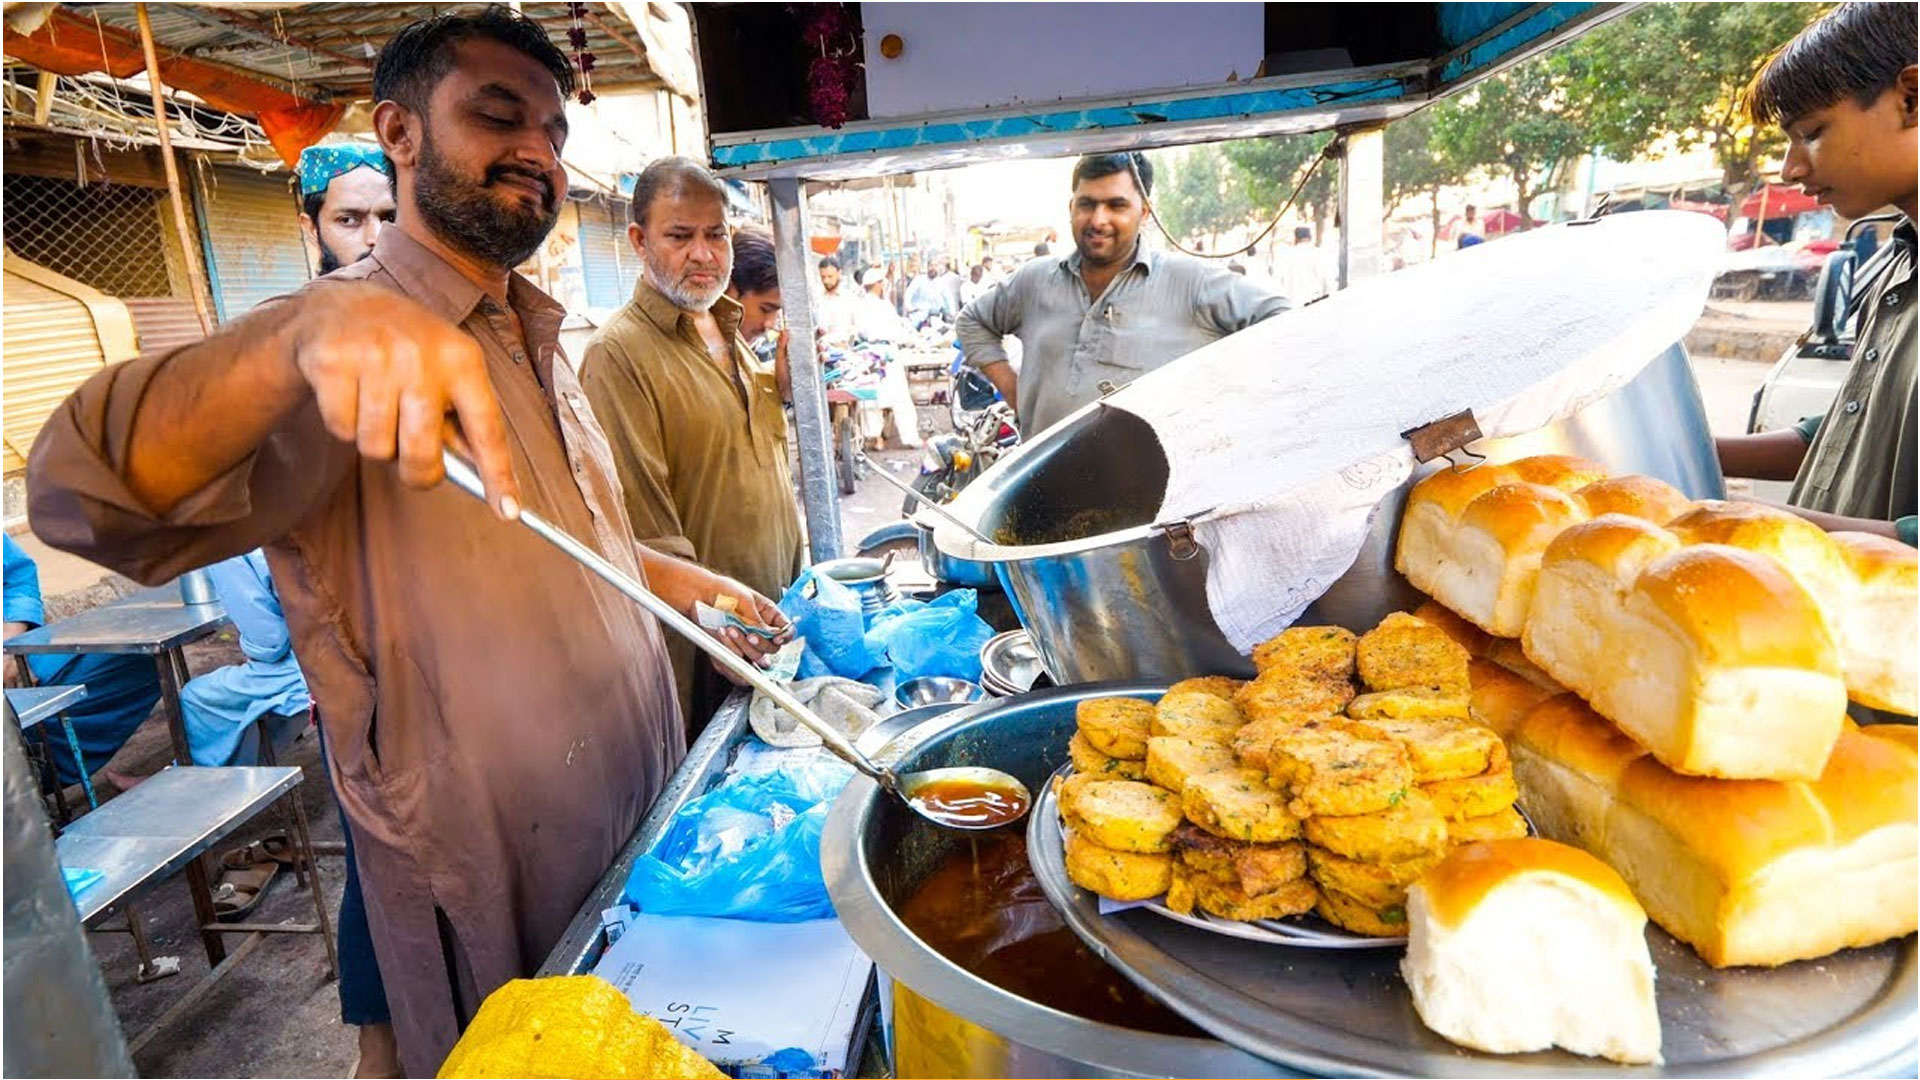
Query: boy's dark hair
(825, 261)
(1042, 250)
(753, 264)
(415, 60)
(311, 205)
(677, 175)
(1854, 51)
(1095, 166)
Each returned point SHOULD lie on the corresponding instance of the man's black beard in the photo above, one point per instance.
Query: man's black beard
(468, 218)
(329, 262)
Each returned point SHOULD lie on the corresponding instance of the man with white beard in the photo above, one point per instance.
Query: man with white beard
(695, 420)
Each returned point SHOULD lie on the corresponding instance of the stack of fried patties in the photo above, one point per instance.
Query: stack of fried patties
(1387, 781)
(1200, 828)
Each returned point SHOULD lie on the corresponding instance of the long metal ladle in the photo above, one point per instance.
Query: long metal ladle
(922, 496)
(956, 798)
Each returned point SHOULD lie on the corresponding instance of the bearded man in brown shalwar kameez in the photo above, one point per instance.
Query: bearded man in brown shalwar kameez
(498, 720)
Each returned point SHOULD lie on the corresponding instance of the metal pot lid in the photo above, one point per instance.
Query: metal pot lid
(1349, 1013)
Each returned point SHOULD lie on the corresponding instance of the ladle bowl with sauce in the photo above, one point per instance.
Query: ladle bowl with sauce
(967, 798)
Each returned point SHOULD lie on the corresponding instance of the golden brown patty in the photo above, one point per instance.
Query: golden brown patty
(1405, 652)
(1339, 767)
(1180, 896)
(1230, 901)
(1088, 761)
(1503, 825)
(1219, 686)
(1257, 868)
(1476, 796)
(1310, 650)
(1412, 827)
(1239, 804)
(1253, 742)
(1422, 703)
(1282, 692)
(1171, 761)
(1116, 726)
(1350, 914)
(1377, 885)
(1196, 716)
(1125, 815)
(1443, 749)
(1117, 875)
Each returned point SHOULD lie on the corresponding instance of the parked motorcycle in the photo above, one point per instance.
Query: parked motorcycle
(951, 461)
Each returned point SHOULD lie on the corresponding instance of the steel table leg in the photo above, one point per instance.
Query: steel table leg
(79, 763)
(172, 665)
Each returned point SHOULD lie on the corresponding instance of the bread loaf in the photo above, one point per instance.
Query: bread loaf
(1746, 871)
(1712, 657)
(1525, 944)
(1878, 630)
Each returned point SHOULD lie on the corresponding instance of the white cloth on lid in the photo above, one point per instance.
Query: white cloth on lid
(1282, 440)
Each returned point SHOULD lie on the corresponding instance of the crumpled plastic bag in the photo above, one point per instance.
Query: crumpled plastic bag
(827, 615)
(942, 636)
(749, 849)
(846, 704)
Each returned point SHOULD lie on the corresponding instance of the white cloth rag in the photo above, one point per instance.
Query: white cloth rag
(849, 706)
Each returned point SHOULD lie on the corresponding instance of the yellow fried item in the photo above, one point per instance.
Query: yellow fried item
(1282, 691)
(1252, 743)
(1339, 767)
(1180, 889)
(1117, 875)
(1503, 825)
(1257, 868)
(1239, 804)
(1412, 827)
(1404, 652)
(1422, 703)
(1196, 716)
(1116, 726)
(1172, 761)
(1088, 761)
(1310, 650)
(1350, 914)
(1229, 901)
(1377, 885)
(1475, 796)
(573, 1025)
(1444, 749)
(1220, 686)
(1125, 815)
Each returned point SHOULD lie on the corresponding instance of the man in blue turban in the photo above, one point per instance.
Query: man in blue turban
(345, 198)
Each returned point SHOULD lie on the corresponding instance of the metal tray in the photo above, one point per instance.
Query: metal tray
(1348, 1013)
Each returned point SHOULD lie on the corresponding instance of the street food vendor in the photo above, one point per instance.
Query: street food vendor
(1844, 92)
(694, 419)
(1111, 311)
(498, 719)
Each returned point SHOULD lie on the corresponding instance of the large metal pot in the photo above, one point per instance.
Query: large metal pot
(1130, 600)
(949, 569)
(942, 1020)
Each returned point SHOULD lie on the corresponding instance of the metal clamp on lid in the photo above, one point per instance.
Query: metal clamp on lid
(1444, 436)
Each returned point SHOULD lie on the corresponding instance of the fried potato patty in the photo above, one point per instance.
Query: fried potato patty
(1180, 896)
(1088, 761)
(1377, 885)
(1124, 815)
(1257, 868)
(1443, 749)
(1116, 726)
(1239, 804)
(1229, 901)
(1423, 703)
(1285, 692)
(1405, 652)
(1309, 650)
(1339, 768)
(1350, 914)
(1253, 742)
(1410, 828)
(1501, 825)
(1196, 716)
(1475, 796)
(1220, 686)
(1171, 760)
(1117, 875)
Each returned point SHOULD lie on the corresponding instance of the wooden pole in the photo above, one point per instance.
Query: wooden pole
(196, 282)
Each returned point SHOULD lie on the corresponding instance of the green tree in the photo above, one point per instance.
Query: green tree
(1417, 165)
(1198, 195)
(1271, 167)
(1520, 123)
(1678, 70)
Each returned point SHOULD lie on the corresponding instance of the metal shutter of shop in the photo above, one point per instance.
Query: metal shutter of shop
(253, 231)
(600, 243)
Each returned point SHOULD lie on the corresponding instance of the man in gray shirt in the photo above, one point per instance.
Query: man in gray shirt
(1111, 311)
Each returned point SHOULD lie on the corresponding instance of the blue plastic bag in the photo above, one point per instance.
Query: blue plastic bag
(749, 849)
(826, 613)
(941, 637)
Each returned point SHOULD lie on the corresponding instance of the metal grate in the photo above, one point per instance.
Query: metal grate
(109, 236)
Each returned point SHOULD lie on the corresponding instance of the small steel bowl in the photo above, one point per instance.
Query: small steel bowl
(936, 690)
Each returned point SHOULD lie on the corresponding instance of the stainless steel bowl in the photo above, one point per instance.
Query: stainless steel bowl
(1118, 600)
(866, 577)
(936, 690)
(876, 739)
(1009, 664)
(943, 1021)
(944, 568)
